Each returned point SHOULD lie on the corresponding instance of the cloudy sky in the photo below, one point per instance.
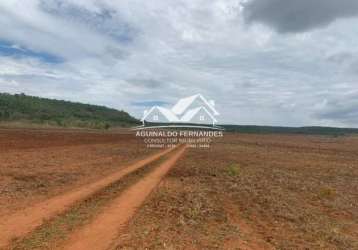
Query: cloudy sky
(265, 62)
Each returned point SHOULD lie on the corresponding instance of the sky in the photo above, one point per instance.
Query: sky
(264, 62)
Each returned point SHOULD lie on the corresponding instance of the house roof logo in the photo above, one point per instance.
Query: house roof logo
(194, 111)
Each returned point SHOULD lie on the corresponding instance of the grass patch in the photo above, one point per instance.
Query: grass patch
(327, 193)
(233, 170)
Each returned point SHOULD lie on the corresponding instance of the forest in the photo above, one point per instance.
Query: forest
(31, 109)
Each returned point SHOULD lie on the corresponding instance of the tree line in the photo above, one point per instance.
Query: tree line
(25, 108)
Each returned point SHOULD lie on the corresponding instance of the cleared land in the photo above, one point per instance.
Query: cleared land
(255, 192)
(245, 192)
(24, 221)
(37, 164)
(100, 233)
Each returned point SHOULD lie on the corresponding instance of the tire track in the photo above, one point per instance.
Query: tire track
(25, 221)
(101, 232)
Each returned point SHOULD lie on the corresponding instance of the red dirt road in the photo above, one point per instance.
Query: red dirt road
(101, 233)
(36, 165)
(23, 222)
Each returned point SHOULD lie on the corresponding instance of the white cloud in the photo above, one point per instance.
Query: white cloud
(119, 52)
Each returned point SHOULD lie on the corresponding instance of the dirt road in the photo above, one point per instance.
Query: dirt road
(23, 222)
(36, 165)
(105, 228)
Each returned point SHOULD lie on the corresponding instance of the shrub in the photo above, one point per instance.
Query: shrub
(233, 170)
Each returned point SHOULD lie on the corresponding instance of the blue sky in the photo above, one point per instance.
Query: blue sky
(8, 49)
(293, 67)
(150, 103)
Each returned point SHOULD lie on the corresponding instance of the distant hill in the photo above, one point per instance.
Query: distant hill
(35, 110)
(254, 129)
(24, 108)
(290, 130)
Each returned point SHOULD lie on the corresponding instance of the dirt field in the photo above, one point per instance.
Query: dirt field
(255, 192)
(36, 164)
(245, 192)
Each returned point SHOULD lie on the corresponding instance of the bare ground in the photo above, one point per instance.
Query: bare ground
(255, 192)
(37, 164)
(24, 221)
(101, 232)
(245, 192)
